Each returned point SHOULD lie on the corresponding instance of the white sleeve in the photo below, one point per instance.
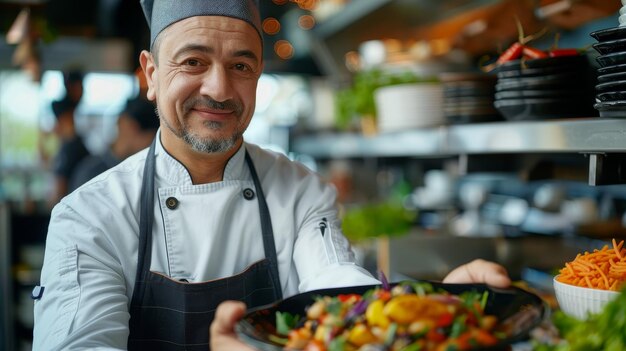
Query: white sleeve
(322, 254)
(84, 303)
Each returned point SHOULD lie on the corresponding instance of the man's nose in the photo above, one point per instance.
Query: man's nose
(216, 84)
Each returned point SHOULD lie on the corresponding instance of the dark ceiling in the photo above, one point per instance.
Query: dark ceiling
(105, 19)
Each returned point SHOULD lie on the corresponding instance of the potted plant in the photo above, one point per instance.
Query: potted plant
(357, 101)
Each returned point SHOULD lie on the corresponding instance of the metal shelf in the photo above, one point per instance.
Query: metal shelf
(583, 135)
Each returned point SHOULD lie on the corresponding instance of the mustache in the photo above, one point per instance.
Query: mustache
(207, 102)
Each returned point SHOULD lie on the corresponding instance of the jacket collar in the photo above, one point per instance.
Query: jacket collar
(174, 172)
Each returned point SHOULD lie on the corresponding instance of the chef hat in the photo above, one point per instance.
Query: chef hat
(162, 13)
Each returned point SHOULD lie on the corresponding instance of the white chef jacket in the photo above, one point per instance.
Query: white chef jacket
(91, 249)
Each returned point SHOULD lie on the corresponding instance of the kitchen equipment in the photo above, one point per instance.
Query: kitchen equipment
(611, 87)
(553, 87)
(468, 97)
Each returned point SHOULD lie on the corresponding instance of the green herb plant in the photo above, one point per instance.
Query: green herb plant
(357, 101)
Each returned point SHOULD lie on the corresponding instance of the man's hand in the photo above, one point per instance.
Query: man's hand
(480, 271)
(223, 336)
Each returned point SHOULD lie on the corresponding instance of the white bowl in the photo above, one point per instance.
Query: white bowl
(406, 106)
(579, 302)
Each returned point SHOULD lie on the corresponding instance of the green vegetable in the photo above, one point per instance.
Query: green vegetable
(422, 289)
(458, 326)
(337, 344)
(605, 331)
(412, 347)
(285, 321)
(375, 220)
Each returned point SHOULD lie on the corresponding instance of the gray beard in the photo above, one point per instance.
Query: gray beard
(207, 145)
(204, 145)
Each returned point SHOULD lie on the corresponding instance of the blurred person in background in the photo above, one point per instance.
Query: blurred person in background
(72, 148)
(136, 128)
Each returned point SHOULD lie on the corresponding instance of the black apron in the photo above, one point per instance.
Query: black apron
(166, 314)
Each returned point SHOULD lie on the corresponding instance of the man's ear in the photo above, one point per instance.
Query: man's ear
(149, 70)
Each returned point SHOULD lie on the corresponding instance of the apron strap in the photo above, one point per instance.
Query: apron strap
(266, 228)
(146, 217)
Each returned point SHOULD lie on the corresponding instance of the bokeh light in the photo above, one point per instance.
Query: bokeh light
(283, 49)
(271, 26)
(308, 5)
(306, 22)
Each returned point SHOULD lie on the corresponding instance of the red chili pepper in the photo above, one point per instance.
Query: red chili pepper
(563, 52)
(513, 52)
(436, 336)
(347, 297)
(534, 53)
(445, 320)
(384, 295)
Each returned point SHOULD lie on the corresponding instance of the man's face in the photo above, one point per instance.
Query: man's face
(205, 80)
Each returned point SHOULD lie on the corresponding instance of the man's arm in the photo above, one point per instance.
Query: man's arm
(84, 302)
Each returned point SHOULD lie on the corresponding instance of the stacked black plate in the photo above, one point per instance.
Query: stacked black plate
(553, 87)
(468, 97)
(611, 88)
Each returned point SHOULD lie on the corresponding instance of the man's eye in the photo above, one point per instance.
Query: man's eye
(242, 67)
(192, 62)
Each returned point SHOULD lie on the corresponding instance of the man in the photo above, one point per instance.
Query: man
(72, 149)
(136, 128)
(141, 256)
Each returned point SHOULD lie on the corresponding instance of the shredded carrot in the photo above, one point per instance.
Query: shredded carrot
(603, 269)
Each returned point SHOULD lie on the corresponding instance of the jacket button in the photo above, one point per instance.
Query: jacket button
(171, 203)
(248, 194)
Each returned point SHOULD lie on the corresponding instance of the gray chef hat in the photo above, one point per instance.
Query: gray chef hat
(162, 13)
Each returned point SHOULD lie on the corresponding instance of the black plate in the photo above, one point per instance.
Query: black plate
(540, 109)
(533, 72)
(612, 69)
(605, 78)
(526, 94)
(611, 46)
(519, 309)
(577, 60)
(567, 82)
(612, 109)
(612, 59)
(612, 96)
(609, 34)
(617, 85)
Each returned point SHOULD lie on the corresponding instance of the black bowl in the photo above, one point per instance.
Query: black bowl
(518, 309)
(532, 94)
(611, 46)
(468, 89)
(576, 60)
(616, 85)
(609, 34)
(612, 69)
(611, 77)
(533, 72)
(567, 81)
(540, 109)
(612, 109)
(612, 59)
(612, 96)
